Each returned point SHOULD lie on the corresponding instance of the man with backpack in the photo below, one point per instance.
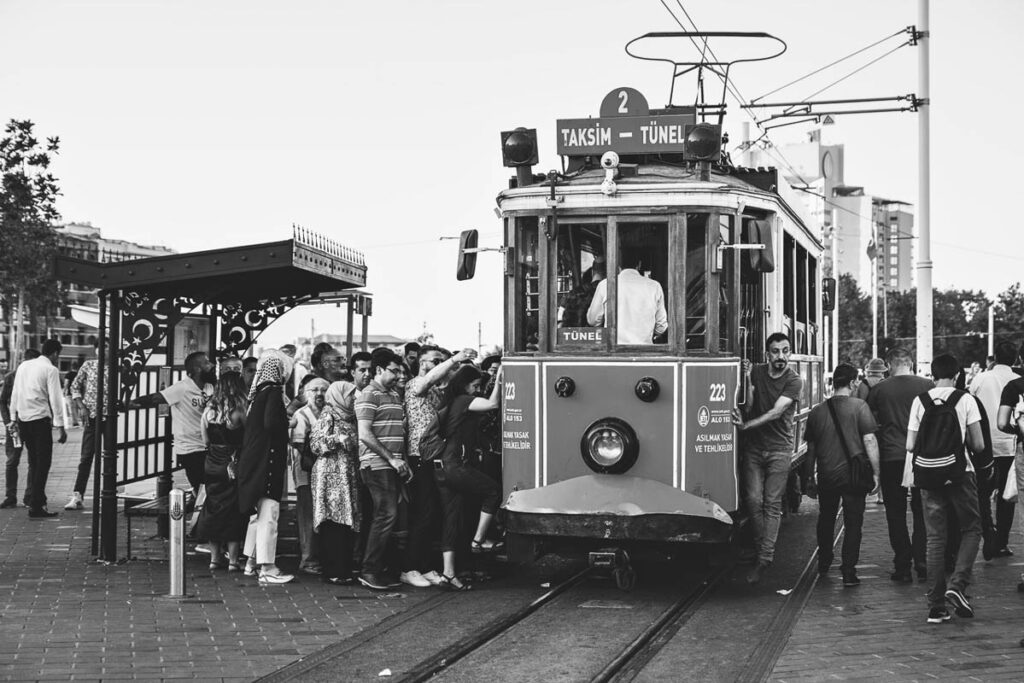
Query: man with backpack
(941, 421)
(838, 431)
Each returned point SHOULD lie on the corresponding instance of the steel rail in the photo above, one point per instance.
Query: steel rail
(643, 647)
(457, 651)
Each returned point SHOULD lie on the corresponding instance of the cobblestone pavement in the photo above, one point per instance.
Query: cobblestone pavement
(65, 616)
(877, 631)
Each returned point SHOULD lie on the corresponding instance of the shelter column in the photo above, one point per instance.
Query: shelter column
(109, 493)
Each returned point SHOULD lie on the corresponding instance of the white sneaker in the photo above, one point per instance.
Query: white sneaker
(274, 576)
(433, 578)
(414, 578)
(250, 569)
(75, 503)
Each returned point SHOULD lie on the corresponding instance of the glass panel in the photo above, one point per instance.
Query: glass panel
(725, 312)
(527, 284)
(788, 295)
(642, 281)
(581, 266)
(801, 343)
(696, 281)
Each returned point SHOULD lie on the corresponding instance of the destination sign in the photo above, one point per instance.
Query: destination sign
(581, 335)
(623, 134)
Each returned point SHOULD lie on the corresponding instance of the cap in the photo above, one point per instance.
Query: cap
(876, 365)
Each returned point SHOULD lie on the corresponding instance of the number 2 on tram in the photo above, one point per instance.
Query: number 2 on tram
(616, 417)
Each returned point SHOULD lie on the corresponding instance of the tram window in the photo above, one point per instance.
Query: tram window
(788, 289)
(725, 313)
(800, 344)
(642, 312)
(696, 281)
(813, 299)
(581, 266)
(527, 285)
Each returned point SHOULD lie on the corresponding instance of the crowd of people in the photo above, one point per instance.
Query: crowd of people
(394, 458)
(949, 444)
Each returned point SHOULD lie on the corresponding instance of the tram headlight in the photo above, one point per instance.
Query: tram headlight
(519, 147)
(609, 446)
(703, 142)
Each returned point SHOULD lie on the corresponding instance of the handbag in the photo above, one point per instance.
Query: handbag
(861, 475)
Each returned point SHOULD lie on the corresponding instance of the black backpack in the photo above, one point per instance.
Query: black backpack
(939, 454)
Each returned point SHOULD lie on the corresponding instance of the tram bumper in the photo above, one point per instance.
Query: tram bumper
(617, 508)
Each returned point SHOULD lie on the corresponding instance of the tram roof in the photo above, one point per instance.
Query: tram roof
(306, 264)
(748, 179)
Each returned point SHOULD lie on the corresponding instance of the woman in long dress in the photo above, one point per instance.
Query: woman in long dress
(220, 521)
(336, 511)
(262, 465)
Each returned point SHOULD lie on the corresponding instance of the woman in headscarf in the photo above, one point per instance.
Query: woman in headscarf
(262, 465)
(220, 521)
(336, 512)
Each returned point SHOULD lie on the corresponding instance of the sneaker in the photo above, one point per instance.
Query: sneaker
(414, 578)
(9, 503)
(433, 577)
(757, 572)
(339, 580)
(250, 569)
(937, 615)
(373, 582)
(313, 569)
(1003, 552)
(901, 577)
(850, 579)
(75, 503)
(41, 514)
(274, 576)
(960, 605)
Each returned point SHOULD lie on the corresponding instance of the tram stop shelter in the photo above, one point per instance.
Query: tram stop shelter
(155, 311)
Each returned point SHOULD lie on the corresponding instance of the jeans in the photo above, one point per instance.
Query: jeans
(765, 474)
(37, 435)
(261, 536)
(907, 549)
(962, 501)
(88, 453)
(383, 487)
(308, 541)
(423, 516)
(853, 523)
(996, 536)
(11, 473)
(195, 468)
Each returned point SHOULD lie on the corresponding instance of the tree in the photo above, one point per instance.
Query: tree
(28, 210)
(854, 311)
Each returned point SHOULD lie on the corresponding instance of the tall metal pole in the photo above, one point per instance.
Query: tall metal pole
(924, 259)
(835, 274)
(101, 417)
(992, 330)
(108, 507)
(874, 293)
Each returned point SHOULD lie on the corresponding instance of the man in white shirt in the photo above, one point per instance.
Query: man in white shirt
(641, 305)
(988, 387)
(187, 398)
(37, 404)
(959, 498)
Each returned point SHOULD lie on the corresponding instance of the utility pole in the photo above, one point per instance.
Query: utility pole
(924, 261)
(992, 330)
(835, 274)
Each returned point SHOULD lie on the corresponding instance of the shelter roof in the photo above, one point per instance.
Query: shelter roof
(307, 264)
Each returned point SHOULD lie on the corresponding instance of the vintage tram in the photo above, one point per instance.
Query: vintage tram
(614, 436)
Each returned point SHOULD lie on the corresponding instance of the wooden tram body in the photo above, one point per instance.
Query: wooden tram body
(616, 444)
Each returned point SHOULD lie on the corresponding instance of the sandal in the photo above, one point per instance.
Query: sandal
(453, 583)
(235, 566)
(486, 546)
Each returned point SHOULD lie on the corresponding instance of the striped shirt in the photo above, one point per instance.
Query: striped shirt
(384, 409)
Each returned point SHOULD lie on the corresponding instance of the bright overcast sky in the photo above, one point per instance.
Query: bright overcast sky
(209, 124)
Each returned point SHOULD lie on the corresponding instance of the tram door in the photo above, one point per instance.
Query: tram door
(752, 312)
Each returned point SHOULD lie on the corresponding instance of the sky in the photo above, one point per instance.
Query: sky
(207, 124)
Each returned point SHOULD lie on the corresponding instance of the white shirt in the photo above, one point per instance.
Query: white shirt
(988, 387)
(37, 393)
(641, 308)
(187, 402)
(966, 412)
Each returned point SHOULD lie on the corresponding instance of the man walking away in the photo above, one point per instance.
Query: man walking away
(84, 393)
(37, 406)
(773, 390)
(890, 401)
(840, 418)
(946, 477)
(988, 387)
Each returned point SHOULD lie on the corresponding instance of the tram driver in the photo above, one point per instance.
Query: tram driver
(641, 303)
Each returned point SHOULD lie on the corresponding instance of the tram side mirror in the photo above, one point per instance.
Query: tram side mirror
(759, 232)
(828, 294)
(467, 255)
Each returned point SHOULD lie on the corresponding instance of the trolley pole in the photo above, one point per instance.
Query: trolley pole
(924, 261)
(176, 507)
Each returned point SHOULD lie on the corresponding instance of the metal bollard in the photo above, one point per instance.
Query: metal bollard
(176, 499)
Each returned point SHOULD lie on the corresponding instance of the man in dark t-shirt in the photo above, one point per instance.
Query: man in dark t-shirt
(773, 390)
(828, 453)
(890, 401)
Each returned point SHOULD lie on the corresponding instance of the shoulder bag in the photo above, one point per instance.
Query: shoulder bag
(861, 478)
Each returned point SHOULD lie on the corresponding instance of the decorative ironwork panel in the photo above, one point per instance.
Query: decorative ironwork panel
(242, 323)
(146, 319)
